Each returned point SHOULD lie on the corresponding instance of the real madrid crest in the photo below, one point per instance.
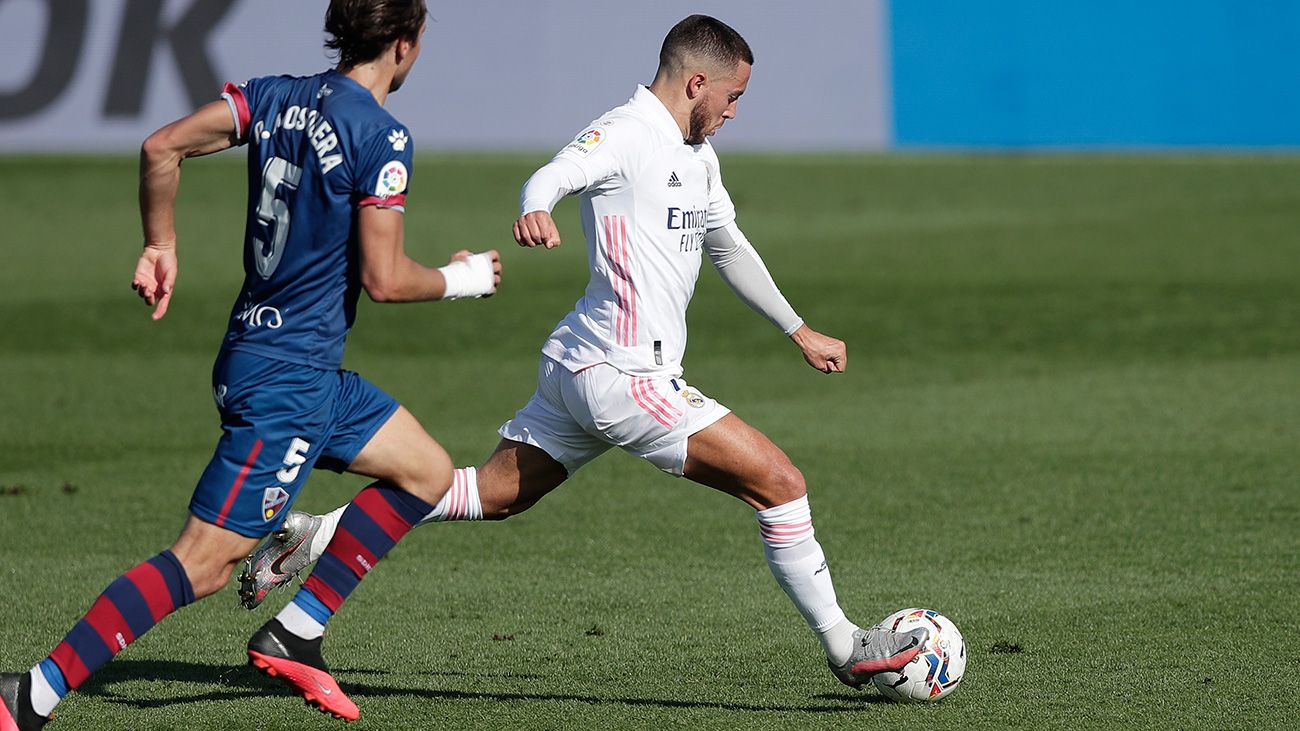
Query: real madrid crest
(694, 399)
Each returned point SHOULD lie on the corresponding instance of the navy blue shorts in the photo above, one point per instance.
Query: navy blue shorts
(278, 421)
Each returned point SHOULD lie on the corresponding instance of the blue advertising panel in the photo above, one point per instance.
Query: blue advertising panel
(1110, 73)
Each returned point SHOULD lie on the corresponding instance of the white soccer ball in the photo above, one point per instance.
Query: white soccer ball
(936, 670)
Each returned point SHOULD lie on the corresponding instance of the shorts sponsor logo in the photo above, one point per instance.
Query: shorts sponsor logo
(587, 141)
(695, 400)
(273, 501)
(392, 179)
(219, 395)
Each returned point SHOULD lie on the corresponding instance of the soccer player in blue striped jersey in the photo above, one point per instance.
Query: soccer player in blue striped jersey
(328, 174)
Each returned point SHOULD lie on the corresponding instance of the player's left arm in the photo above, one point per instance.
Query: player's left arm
(208, 130)
(389, 275)
(744, 271)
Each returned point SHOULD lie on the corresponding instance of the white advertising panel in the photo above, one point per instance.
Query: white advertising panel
(509, 75)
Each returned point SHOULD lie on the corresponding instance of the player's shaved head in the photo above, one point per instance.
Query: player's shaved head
(700, 41)
(360, 30)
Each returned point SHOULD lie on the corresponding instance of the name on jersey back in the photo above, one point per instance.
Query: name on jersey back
(319, 132)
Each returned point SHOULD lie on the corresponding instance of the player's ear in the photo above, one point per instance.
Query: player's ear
(695, 84)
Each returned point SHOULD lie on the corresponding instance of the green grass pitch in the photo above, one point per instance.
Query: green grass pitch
(1071, 422)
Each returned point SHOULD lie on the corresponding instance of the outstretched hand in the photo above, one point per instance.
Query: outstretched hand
(492, 255)
(536, 229)
(155, 277)
(825, 353)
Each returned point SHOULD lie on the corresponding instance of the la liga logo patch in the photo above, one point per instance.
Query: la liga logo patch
(392, 179)
(273, 501)
(587, 141)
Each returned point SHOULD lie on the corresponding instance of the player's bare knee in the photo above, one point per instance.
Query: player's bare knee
(429, 481)
(783, 484)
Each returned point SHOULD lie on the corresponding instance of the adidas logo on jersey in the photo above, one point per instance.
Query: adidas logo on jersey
(673, 182)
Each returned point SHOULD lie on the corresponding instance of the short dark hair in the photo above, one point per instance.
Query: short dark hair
(707, 38)
(360, 30)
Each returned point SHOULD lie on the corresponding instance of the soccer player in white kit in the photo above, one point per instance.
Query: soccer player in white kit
(652, 202)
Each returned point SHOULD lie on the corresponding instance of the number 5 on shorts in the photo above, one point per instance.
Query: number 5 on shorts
(293, 461)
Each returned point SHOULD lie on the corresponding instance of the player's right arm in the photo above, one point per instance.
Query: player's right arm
(208, 130)
(553, 181)
(588, 162)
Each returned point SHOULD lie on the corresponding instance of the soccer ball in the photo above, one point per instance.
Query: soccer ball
(936, 670)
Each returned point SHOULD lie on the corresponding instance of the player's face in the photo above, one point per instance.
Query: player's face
(404, 67)
(717, 104)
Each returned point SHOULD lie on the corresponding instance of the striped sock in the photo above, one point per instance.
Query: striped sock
(461, 501)
(371, 526)
(799, 565)
(128, 608)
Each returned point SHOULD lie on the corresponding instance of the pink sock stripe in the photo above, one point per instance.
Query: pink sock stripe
(461, 487)
(785, 532)
(638, 393)
(453, 497)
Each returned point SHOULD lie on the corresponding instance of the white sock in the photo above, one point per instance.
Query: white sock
(329, 524)
(797, 562)
(300, 622)
(461, 501)
(44, 699)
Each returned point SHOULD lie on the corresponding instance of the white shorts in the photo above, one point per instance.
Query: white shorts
(575, 417)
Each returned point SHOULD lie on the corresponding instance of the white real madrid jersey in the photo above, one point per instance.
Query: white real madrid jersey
(648, 200)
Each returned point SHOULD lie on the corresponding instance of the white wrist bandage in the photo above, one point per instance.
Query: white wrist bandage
(472, 277)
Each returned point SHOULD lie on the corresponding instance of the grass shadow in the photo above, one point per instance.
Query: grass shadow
(243, 682)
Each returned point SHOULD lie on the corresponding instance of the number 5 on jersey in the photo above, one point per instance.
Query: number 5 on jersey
(278, 176)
